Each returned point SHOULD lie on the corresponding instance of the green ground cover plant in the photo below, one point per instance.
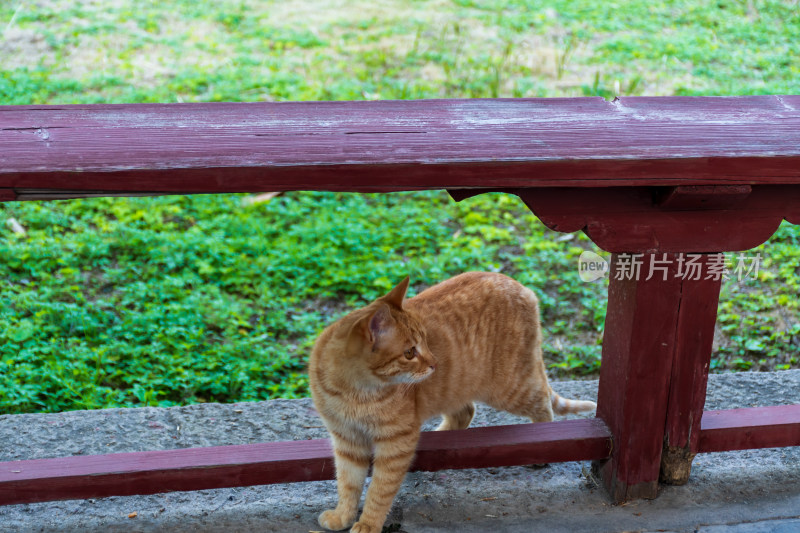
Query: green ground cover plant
(172, 300)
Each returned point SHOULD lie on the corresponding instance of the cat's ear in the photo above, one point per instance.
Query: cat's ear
(376, 324)
(398, 294)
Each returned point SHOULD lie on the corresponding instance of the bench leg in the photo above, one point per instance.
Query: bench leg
(691, 360)
(656, 351)
(640, 331)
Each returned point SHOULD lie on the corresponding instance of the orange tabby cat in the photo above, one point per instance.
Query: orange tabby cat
(381, 371)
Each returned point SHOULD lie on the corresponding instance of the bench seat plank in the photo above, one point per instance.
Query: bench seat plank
(374, 146)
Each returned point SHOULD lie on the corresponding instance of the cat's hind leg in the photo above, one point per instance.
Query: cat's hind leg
(531, 399)
(458, 420)
(539, 407)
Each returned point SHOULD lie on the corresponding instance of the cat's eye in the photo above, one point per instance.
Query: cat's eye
(410, 354)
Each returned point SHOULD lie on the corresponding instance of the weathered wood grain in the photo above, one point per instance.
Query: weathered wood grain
(280, 462)
(401, 145)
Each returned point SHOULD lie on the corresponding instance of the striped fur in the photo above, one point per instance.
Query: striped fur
(378, 373)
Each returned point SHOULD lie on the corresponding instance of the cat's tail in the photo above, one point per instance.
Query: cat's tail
(563, 406)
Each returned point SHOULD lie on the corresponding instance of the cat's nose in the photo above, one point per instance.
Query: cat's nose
(433, 367)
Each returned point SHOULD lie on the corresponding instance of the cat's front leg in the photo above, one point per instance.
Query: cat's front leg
(393, 456)
(352, 456)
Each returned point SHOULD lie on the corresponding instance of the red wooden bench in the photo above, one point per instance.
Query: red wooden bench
(656, 176)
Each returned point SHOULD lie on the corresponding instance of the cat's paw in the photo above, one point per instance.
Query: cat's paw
(335, 520)
(361, 527)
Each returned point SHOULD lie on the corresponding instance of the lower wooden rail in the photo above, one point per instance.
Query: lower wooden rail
(123, 474)
(754, 427)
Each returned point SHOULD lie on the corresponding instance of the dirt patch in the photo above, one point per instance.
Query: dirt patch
(22, 47)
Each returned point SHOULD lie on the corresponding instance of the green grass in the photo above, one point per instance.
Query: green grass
(183, 50)
(172, 300)
(164, 301)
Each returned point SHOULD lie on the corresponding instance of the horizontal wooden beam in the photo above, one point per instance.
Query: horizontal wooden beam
(151, 472)
(696, 219)
(546, 442)
(122, 474)
(379, 146)
(754, 427)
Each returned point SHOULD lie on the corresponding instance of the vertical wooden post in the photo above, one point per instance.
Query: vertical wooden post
(638, 346)
(656, 354)
(691, 359)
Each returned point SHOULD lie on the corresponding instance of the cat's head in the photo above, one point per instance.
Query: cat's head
(388, 341)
